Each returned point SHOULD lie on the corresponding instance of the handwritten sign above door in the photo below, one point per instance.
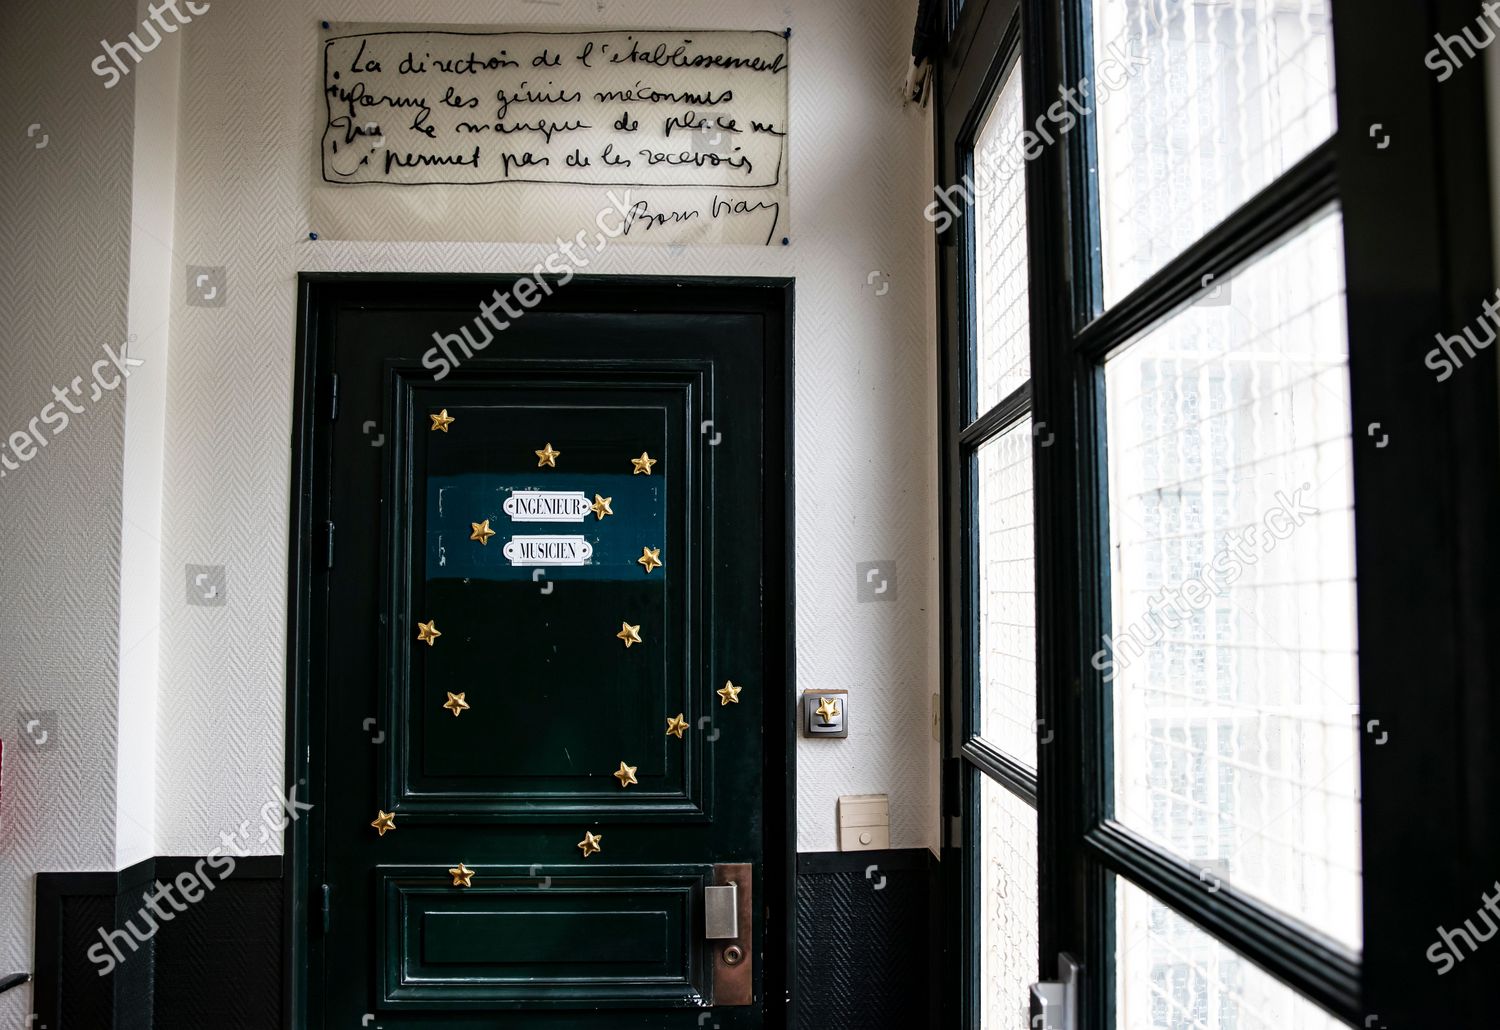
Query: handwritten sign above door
(648, 136)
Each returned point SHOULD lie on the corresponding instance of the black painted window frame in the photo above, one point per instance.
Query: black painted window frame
(1419, 261)
(990, 32)
(982, 758)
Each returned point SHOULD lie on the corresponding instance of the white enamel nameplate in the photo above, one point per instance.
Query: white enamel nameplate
(548, 506)
(549, 550)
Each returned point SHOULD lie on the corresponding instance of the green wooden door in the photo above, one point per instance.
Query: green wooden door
(540, 653)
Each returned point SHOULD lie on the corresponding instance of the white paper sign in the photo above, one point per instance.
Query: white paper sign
(689, 127)
(548, 506)
(549, 550)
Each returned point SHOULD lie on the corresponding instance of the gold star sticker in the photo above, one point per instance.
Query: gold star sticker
(642, 464)
(630, 634)
(384, 821)
(461, 874)
(676, 725)
(427, 632)
(827, 710)
(650, 557)
(441, 421)
(601, 507)
(625, 774)
(590, 843)
(547, 456)
(456, 703)
(482, 531)
(729, 694)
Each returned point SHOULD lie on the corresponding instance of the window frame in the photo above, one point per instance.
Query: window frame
(966, 754)
(1427, 590)
(985, 427)
(990, 28)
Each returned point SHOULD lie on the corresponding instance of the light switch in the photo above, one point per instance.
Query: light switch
(825, 713)
(864, 822)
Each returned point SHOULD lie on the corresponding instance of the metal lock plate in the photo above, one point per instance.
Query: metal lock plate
(733, 963)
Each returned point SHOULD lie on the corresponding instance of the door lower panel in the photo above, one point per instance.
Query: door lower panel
(531, 936)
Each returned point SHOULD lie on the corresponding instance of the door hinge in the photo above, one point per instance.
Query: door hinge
(327, 907)
(333, 397)
(330, 543)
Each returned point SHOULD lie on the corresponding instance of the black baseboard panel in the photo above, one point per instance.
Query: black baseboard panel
(865, 945)
(67, 989)
(219, 964)
(866, 940)
(106, 961)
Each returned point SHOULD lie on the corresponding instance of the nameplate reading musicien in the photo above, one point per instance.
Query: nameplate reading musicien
(549, 550)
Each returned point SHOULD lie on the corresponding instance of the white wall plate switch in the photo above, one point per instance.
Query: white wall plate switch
(864, 822)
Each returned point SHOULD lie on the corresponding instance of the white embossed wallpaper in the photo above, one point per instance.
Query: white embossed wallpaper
(246, 153)
(66, 205)
(866, 396)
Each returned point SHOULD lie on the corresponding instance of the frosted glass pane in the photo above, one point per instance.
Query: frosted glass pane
(1002, 352)
(1199, 107)
(1231, 651)
(1170, 975)
(1008, 908)
(1007, 594)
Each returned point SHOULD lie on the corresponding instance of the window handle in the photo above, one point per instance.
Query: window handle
(1054, 1003)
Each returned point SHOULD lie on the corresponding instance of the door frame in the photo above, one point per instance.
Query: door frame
(314, 406)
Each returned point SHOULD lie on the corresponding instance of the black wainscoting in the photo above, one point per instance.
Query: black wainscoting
(219, 964)
(867, 937)
(66, 987)
(866, 947)
(216, 964)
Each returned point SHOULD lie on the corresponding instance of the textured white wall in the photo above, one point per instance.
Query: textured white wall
(65, 225)
(866, 482)
(153, 268)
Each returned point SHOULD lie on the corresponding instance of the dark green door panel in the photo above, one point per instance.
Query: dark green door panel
(524, 643)
(554, 938)
(528, 619)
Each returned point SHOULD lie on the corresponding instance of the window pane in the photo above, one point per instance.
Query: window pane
(1199, 107)
(1170, 975)
(1008, 910)
(1002, 352)
(1007, 594)
(1232, 644)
